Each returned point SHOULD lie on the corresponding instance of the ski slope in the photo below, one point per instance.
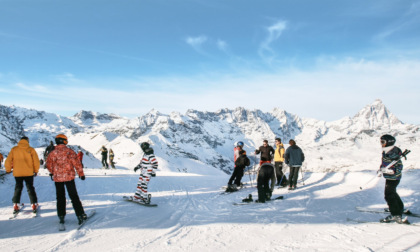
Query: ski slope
(193, 216)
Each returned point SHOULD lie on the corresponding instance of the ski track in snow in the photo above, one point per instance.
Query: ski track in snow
(192, 215)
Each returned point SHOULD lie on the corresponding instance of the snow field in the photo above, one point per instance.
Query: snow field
(193, 216)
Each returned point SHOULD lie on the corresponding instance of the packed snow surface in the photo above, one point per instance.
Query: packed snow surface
(192, 215)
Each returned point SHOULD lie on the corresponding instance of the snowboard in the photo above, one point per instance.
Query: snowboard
(130, 199)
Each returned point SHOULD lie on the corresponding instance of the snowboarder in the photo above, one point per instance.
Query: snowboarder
(241, 162)
(62, 163)
(147, 164)
(278, 163)
(80, 157)
(265, 174)
(1, 159)
(24, 162)
(266, 152)
(104, 153)
(393, 178)
(294, 157)
(111, 158)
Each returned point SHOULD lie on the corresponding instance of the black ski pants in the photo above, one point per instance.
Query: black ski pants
(237, 175)
(279, 173)
(395, 204)
(293, 176)
(104, 162)
(29, 181)
(61, 197)
(264, 176)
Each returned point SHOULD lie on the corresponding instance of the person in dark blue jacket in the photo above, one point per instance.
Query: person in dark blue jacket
(294, 158)
(393, 177)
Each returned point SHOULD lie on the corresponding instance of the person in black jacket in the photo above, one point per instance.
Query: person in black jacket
(104, 153)
(265, 174)
(241, 162)
(294, 157)
(266, 151)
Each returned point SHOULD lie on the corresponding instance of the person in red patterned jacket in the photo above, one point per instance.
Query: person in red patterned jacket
(62, 163)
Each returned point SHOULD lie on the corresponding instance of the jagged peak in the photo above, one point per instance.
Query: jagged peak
(376, 114)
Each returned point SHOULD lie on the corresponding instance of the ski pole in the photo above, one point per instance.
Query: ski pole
(301, 171)
(376, 176)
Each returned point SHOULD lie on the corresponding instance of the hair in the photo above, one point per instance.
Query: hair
(292, 142)
(242, 152)
(265, 141)
(278, 139)
(25, 138)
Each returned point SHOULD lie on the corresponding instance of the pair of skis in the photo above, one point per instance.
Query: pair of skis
(62, 226)
(385, 211)
(254, 202)
(21, 207)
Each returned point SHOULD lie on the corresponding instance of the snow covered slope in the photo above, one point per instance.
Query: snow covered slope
(193, 216)
(200, 141)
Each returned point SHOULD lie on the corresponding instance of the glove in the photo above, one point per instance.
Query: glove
(82, 177)
(153, 174)
(35, 174)
(137, 167)
(51, 176)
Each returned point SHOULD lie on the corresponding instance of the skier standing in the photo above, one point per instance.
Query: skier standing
(266, 152)
(294, 157)
(265, 174)
(62, 163)
(80, 157)
(393, 178)
(24, 162)
(111, 158)
(278, 163)
(104, 153)
(147, 164)
(241, 162)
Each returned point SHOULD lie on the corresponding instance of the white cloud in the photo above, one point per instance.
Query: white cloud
(222, 45)
(196, 42)
(273, 33)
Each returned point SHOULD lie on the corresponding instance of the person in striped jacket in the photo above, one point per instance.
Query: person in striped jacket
(147, 166)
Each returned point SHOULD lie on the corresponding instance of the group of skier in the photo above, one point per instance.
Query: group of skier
(63, 163)
(104, 154)
(267, 171)
(391, 168)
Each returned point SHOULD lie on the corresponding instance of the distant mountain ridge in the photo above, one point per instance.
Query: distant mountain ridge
(198, 140)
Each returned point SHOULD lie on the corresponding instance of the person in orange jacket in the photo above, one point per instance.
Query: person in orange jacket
(62, 163)
(24, 162)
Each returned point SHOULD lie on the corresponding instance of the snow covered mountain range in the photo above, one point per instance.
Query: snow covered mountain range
(200, 142)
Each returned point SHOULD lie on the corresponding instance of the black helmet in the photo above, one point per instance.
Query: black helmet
(240, 144)
(388, 140)
(144, 146)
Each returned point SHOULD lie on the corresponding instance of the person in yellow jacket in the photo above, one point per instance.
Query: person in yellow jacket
(24, 162)
(278, 163)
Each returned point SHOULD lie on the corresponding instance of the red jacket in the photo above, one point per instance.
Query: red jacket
(63, 163)
(80, 156)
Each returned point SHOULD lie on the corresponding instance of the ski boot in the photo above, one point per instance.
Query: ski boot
(16, 208)
(35, 207)
(390, 218)
(249, 199)
(82, 218)
(61, 219)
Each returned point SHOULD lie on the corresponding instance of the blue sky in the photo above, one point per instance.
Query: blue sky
(318, 59)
